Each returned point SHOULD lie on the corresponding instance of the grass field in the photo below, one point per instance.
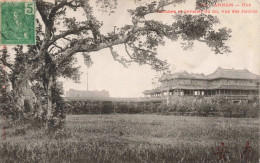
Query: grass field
(133, 138)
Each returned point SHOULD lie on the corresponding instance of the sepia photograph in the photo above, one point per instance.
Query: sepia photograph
(129, 81)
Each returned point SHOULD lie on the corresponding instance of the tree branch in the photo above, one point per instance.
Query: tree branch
(116, 57)
(57, 46)
(144, 50)
(10, 66)
(3, 60)
(43, 15)
(69, 32)
(127, 52)
(56, 8)
(81, 46)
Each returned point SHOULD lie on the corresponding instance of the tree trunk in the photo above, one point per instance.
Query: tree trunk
(24, 98)
(49, 102)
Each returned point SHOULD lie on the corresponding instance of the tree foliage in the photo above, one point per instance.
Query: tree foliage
(36, 69)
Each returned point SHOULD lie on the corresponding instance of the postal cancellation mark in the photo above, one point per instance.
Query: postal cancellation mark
(17, 22)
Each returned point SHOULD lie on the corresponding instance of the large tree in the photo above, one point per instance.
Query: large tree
(37, 67)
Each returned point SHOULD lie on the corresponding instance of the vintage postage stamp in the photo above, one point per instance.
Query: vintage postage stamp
(17, 22)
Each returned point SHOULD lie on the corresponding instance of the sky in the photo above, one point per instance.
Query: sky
(107, 74)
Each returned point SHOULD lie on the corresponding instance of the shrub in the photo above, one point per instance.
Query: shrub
(253, 110)
(180, 105)
(163, 109)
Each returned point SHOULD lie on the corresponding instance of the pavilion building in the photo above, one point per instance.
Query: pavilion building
(231, 84)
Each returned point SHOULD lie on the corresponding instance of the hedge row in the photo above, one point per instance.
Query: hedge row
(177, 105)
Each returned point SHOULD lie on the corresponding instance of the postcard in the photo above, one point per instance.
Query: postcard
(129, 81)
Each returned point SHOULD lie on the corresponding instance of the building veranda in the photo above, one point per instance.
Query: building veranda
(229, 84)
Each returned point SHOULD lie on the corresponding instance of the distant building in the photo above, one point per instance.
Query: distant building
(81, 94)
(235, 85)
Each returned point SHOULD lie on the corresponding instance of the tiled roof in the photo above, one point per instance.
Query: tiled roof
(156, 90)
(219, 73)
(182, 75)
(232, 74)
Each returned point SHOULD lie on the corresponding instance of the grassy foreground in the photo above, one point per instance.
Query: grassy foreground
(133, 138)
